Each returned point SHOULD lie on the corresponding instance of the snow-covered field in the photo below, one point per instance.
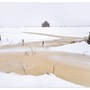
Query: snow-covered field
(65, 31)
(79, 48)
(50, 81)
(12, 36)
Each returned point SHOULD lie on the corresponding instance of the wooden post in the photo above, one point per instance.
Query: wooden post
(53, 69)
(88, 41)
(0, 37)
(43, 43)
(23, 42)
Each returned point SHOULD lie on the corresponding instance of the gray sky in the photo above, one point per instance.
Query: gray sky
(33, 14)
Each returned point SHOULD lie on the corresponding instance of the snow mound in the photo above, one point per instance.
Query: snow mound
(47, 81)
(80, 48)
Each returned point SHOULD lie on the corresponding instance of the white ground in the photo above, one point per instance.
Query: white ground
(15, 38)
(15, 35)
(29, 81)
(79, 48)
(65, 31)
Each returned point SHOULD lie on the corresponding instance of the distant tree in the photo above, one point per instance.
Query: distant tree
(88, 41)
(45, 24)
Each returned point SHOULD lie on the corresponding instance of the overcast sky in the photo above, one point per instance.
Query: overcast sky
(33, 14)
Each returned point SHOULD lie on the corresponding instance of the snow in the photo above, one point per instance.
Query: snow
(79, 48)
(12, 36)
(62, 31)
(12, 80)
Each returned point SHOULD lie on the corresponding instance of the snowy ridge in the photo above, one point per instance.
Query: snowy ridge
(29, 81)
(79, 48)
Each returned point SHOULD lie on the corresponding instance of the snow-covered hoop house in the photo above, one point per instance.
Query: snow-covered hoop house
(45, 24)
